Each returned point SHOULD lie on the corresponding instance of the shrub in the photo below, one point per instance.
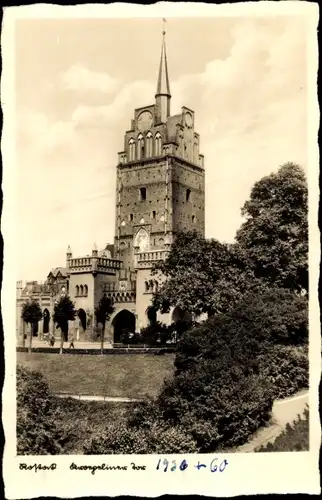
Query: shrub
(295, 437)
(286, 368)
(124, 439)
(156, 333)
(220, 407)
(37, 431)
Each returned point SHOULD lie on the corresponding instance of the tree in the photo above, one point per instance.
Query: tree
(64, 311)
(202, 276)
(103, 313)
(31, 313)
(275, 233)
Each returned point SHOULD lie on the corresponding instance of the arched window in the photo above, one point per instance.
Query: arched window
(188, 192)
(146, 287)
(81, 290)
(149, 145)
(131, 149)
(85, 290)
(193, 218)
(158, 144)
(140, 145)
(77, 290)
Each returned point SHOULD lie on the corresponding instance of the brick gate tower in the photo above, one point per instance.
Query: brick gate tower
(160, 186)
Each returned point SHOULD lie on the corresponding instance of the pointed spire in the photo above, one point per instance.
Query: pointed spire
(163, 86)
(69, 250)
(163, 94)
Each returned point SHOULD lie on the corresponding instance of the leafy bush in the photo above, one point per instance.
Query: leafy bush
(37, 431)
(230, 368)
(124, 439)
(220, 406)
(286, 368)
(295, 437)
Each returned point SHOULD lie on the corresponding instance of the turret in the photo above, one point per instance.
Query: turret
(94, 251)
(68, 256)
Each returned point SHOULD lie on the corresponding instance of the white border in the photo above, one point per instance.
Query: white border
(246, 473)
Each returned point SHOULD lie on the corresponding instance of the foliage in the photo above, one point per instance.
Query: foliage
(286, 368)
(37, 432)
(120, 438)
(295, 437)
(271, 249)
(275, 233)
(64, 311)
(230, 368)
(130, 338)
(274, 315)
(155, 333)
(31, 312)
(202, 276)
(103, 310)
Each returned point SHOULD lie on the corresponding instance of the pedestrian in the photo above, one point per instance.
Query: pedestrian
(71, 344)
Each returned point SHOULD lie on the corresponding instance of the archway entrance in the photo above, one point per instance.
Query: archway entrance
(124, 322)
(46, 317)
(82, 318)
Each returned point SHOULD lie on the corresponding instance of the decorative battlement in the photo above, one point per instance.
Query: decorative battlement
(94, 264)
(146, 260)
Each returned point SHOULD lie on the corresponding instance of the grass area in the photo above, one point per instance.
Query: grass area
(131, 376)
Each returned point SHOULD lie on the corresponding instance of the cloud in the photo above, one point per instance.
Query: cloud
(251, 114)
(82, 79)
(118, 111)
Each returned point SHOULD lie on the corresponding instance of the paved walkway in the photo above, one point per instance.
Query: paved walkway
(99, 398)
(77, 344)
(284, 411)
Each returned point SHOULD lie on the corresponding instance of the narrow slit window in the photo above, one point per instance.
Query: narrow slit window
(188, 193)
(154, 214)
(142, 193)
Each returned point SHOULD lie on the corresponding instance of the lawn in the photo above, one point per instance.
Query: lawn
(131, 376)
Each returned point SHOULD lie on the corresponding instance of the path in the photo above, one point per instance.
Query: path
(78, 344)
(99, 398)
(284, 411)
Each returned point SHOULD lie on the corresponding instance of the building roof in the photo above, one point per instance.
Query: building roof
(58, 270)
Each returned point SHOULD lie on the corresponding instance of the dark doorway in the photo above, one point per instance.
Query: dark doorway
(124, 322)
(82, 318)
(46, 317)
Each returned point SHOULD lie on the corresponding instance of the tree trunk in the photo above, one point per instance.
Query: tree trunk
(30, 338)
(23, 334)
(61, 341)
(102, 337)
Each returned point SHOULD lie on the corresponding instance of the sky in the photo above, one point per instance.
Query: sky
(77, 83)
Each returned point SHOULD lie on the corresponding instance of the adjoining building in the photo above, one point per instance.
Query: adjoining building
(160, 190)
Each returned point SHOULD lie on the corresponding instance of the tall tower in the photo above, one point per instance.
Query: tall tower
(160, 187)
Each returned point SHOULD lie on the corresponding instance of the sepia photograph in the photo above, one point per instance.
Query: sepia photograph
(162, 235)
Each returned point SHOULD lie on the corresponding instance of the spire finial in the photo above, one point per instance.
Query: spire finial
(163, 29)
